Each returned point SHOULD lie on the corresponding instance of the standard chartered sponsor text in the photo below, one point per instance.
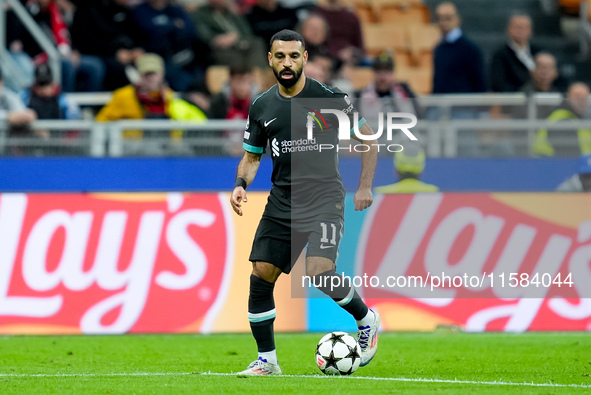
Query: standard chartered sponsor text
(299, 145)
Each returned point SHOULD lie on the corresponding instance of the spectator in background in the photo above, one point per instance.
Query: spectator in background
(330, 71)
(229, 35)
(19, 70)
(385, 94)
(409, 164)
(324, 59)
(233, 102)
(268, 17)
(317, 71)
(167, 30)
(543, 78)
(105, 28)
(580, 182)
(67, 9)
(150, 98)
(13, 110)
(458, 64)
(572, 108)
(511, 65)
(17, 117)
(314, 29)
(45, 98)
(89, 69)
(345, 41)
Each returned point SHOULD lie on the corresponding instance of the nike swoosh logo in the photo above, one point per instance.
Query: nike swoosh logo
(268, 122)
(324, 247)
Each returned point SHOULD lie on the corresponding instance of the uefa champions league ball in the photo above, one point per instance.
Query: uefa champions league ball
(338, 353)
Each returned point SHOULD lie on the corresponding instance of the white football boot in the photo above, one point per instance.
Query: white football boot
(260, 367)
(367, 337)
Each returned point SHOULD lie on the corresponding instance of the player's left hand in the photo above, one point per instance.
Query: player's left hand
(238, 196)
(363, 199)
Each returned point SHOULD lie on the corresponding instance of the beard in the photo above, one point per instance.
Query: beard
(288, 83)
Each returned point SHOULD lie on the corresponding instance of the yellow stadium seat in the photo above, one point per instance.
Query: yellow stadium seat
(422, 40)
(570, 6)
(403, 58)
(365, 14)
(403, 15)
(379, 37)
(361, 77)
(420, 79)
(396, 3)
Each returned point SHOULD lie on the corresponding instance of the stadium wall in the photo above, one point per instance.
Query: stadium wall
(217, 174)
(177, 262)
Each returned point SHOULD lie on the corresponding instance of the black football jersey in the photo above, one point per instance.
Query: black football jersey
(306, 179)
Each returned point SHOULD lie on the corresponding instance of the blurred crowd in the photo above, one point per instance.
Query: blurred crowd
(146, 50)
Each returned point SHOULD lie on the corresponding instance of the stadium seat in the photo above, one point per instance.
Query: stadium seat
(361, 77)
(399, 11)
(396, 3)
(351, 4)
(571, 7)
(403, 58)
(381, 37)
(215, 77)
(403, 15)
(364, 13)
(420, 79)
(422, 40)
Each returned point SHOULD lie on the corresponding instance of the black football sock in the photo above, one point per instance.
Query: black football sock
(340, 289)
(261, 313)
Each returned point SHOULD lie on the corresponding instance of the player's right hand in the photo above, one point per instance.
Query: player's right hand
(238, 196)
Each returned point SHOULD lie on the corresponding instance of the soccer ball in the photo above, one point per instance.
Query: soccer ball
(338, 353)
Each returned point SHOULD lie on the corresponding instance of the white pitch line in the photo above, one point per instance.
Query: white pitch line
(130, 374)
(417, 380)
(402, 379)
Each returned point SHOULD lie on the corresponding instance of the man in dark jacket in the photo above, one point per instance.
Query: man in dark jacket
(511, 65)
(458, 64)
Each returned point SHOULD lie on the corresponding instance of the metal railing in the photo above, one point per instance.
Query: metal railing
(38, 35)
(443, 135)
(448, 138)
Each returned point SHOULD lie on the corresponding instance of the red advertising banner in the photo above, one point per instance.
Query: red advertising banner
(174, 262)
(112, 263)
(528, 254)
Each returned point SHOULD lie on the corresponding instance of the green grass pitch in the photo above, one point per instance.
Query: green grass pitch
(447, 363)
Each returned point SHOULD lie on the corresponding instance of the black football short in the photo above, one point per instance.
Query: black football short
(281, 241)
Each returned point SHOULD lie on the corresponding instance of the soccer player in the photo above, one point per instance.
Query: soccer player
(306, 202)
